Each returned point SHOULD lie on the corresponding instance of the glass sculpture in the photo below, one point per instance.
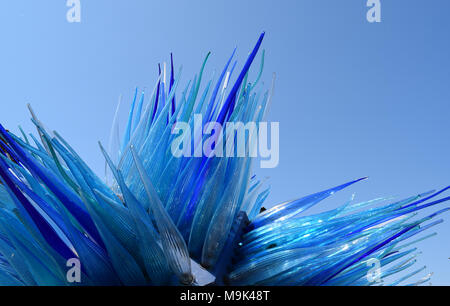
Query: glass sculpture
(157, 219)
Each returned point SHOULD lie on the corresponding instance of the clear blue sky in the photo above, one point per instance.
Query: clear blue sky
(352, 98)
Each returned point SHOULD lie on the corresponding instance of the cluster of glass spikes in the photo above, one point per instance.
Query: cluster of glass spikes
(157, 219)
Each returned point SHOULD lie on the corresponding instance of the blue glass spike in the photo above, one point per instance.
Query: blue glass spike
(157, 94)
(172, 81)
(229, 103)
(127, 135)
(172, 241)
(291, 209)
